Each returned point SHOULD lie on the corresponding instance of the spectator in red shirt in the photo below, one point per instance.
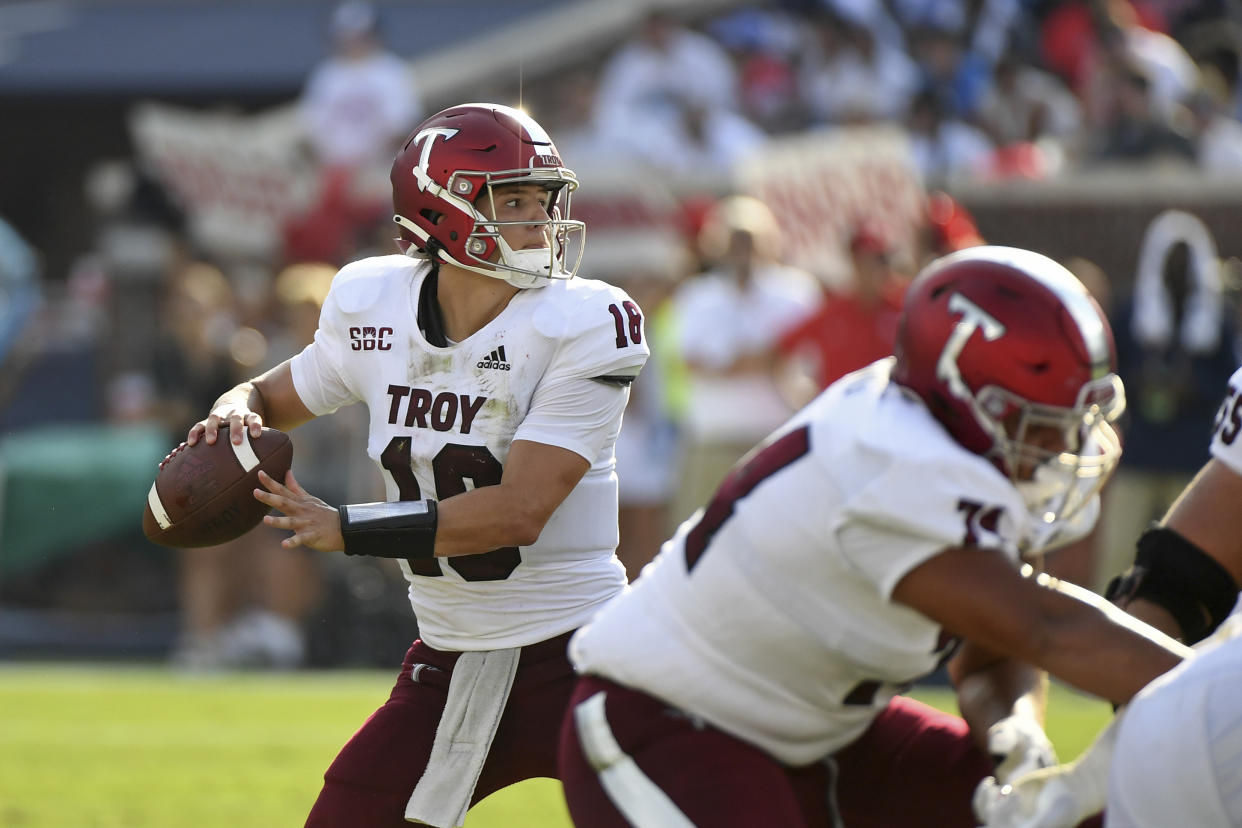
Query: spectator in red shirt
(855, 326)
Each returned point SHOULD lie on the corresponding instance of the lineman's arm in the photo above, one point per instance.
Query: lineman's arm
(1208, 515)
(980, 596)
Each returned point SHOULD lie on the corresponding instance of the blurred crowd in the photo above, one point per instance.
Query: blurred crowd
(985, 89)
(151, 326)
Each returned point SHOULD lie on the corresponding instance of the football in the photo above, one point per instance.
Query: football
(203, 494)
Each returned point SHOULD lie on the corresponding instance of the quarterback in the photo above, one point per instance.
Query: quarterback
(495, 384)
(759, 662)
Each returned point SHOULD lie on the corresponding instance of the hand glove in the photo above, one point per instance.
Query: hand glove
(1018, 746)
(1060, 796)
(1041, 799)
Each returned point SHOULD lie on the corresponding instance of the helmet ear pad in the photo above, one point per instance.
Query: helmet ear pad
(449, 225)
(459, 228)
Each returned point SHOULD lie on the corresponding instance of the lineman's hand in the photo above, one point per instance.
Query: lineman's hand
(314, 523)
(1042, 799)
(1019, 746)
(1057, 797)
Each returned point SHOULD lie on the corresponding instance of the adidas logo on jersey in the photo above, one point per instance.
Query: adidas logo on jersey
(496, 359)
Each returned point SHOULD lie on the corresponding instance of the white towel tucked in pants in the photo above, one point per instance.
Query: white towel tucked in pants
(478, 691)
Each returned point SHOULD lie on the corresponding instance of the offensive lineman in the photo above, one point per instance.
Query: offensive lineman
(759, 660)
(495, 385)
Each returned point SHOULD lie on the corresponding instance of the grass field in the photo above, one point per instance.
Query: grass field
(111, 747)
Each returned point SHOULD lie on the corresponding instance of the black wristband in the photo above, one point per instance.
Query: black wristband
(1177, 575)
(400, 529)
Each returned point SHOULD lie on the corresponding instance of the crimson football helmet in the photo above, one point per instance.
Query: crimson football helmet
(1016, 360)
(451, 162)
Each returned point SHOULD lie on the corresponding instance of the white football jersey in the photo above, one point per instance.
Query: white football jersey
(442, 421)
(1226, 430)
(1226, 447)
(1178, 756)
(769, 613)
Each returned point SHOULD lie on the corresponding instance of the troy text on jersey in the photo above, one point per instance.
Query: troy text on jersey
(425, 410)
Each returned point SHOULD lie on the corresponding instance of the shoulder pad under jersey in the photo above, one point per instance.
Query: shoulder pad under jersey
(599, 327)
(929, 486)
(359, 285)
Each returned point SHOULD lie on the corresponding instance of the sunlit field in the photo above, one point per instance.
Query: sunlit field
(114, 747)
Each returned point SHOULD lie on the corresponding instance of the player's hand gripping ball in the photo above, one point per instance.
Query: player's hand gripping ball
(203, 494)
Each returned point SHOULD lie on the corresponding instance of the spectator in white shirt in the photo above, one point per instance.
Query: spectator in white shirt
(850, 75)
(665, 63)
(727, 323)
(945, 148)
(1024, 103)
(362, 100)
(357, 106)
(1217, 137)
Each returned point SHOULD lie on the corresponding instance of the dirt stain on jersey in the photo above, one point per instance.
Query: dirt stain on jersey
(503, 409)
(424, 364)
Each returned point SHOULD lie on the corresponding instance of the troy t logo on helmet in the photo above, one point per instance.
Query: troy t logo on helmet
(974, 318)
(429, 136)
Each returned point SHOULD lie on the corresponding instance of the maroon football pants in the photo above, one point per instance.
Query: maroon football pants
(915, 767)
(372, 777)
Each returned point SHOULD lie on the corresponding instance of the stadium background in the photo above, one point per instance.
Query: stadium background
(84, 85)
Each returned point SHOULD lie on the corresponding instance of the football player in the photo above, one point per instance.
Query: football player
(495, 384)
(1185, 580)
(760, 660)
(1171, 756)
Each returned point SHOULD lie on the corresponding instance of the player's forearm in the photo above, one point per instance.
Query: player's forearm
(1153, 614)
(1206, 514)
(1105, 659)
(487, 518)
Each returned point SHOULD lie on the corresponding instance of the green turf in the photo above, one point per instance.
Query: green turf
(108, 747)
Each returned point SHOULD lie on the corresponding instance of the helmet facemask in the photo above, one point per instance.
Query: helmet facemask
(1058, 458)
(484, 242)
(527, 268)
